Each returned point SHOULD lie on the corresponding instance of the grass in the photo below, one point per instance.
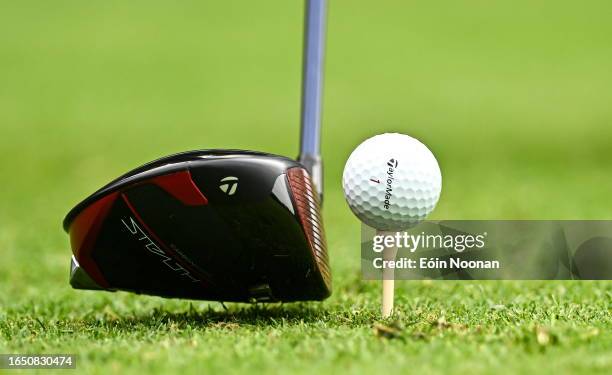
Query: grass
(485, 327)
(513, 98)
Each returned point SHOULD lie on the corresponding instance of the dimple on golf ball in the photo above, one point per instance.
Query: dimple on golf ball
(392, 182)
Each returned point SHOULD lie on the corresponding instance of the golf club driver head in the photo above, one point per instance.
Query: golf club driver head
(219, 225)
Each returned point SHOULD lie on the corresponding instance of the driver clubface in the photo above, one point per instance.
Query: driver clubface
(222, 225)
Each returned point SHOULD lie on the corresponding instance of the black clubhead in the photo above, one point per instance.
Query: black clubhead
(223, 225)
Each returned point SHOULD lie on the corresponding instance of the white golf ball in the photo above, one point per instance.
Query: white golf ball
(392, 182)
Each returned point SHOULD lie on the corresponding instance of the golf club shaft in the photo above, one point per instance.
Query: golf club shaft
(312, 88)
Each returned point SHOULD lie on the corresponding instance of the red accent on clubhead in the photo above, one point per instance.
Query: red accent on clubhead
(309, 211)
(181, 186)
(84, 231)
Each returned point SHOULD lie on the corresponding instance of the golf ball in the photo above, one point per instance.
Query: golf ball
(391, 182)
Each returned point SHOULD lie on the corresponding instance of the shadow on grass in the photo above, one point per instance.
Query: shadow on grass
(256, 315)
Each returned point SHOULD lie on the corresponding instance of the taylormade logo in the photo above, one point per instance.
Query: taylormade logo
(229, 185)
(392, 164)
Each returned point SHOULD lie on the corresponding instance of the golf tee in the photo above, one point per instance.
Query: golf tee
(388, 278)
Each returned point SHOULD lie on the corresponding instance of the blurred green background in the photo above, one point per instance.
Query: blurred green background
(513, 97)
